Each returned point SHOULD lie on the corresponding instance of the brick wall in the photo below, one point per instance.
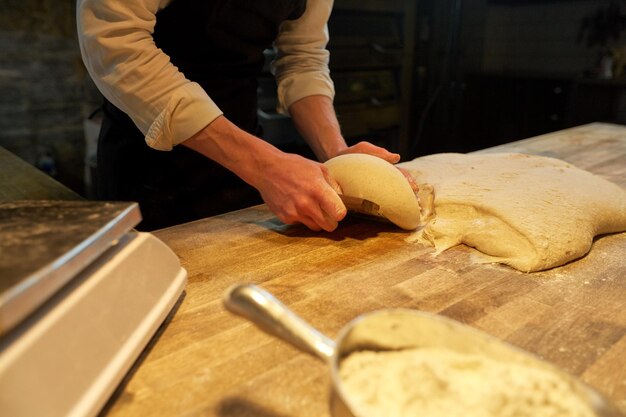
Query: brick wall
(45, 93)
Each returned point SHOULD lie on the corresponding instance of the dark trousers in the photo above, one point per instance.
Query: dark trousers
(171, 187)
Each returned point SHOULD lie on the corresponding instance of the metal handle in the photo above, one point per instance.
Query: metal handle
(273, 317)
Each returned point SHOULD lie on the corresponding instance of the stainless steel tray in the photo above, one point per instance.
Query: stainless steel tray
(44, 244)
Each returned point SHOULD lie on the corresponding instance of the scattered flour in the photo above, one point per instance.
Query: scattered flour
(444, 383)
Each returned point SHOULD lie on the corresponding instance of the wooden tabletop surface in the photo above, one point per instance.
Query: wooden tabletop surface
(21, 181)
(207, 362)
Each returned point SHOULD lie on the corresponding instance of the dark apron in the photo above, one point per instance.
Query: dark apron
(218, 44)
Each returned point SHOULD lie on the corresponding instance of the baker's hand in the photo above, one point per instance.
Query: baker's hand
(299, 190)
(371, 149)
(410, 179)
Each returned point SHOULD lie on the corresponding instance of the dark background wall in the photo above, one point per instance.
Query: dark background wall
(45, 93)
(502, 70)
(481, 73)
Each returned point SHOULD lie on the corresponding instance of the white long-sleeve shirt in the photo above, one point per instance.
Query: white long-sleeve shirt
(117, 47)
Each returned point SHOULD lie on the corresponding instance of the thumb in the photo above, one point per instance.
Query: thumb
(332, 182)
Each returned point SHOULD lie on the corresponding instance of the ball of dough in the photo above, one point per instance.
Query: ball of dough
(372, 178)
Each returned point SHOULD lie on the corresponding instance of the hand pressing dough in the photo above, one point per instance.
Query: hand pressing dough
(371, 178)
(529, 212)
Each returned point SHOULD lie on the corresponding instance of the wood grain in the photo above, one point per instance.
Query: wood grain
(206, 362)
(21, 181)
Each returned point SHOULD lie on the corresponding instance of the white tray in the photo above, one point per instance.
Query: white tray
(68, 358)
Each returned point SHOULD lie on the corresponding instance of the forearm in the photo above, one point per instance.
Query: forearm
(234, 149)
(296, 189)
(315, 119)
(247, 155)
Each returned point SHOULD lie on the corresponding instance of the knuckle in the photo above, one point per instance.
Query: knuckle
(287, 219)
(301, 203)
(288, 216)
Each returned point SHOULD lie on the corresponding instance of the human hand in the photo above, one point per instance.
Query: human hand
(296, 189)
(410, 179)
(299, 190)
(371, 149)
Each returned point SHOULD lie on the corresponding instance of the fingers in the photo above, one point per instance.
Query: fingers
(325, 210)
(312, 224)
(390, 157)
(371, 149)
(331, 181)
(330, 203)
(332, 208)
(314, 217)
(328, 223)
(321, 211)
(410, 179)
(302, 191)
(293, 215)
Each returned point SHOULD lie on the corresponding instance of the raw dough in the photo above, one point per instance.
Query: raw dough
(374, 179)
(529, 212)
(439, 382)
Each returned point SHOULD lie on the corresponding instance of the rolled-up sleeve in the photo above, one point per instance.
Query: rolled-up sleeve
(119, 53)
(301, 64)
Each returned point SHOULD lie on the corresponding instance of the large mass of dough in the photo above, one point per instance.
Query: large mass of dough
(529, 212)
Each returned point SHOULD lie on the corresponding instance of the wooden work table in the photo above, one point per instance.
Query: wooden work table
(207, 362)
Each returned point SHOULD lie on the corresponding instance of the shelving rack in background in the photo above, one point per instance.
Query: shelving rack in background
(372, 65)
